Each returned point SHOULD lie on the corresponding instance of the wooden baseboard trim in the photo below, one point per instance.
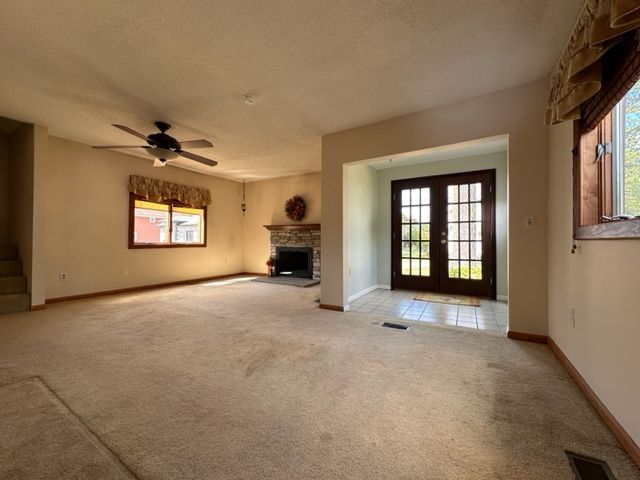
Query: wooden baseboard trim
(154, 286)
(38, 307)
(630, 446)
(335, 308)
(527, 337)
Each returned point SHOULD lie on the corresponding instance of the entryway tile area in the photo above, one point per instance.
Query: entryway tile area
(400, 304)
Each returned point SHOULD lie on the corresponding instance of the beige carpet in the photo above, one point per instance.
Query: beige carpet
(197, 382)
(42, 439)
(448, 299)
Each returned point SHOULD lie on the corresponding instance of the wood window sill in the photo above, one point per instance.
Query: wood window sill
(173, 245)
(620, 230)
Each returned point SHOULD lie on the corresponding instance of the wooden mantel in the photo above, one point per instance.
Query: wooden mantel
(289, 228)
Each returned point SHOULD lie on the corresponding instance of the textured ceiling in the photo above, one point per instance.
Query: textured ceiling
(316, 67)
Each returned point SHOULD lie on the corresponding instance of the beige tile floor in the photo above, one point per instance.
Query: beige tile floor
(399, 304)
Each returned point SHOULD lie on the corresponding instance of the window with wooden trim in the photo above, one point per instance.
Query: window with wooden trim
(165, 224)
(607, 153)
(608, 173)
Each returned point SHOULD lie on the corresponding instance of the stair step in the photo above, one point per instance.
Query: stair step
(10, 268)
(15, 302)
(8, 252)
(14, 284)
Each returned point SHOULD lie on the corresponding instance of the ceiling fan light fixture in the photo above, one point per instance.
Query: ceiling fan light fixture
(249, 99)
(162, 153)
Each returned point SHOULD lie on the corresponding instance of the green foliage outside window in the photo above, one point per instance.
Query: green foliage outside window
(632, 152)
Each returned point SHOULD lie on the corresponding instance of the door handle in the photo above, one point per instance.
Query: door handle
(443, 241)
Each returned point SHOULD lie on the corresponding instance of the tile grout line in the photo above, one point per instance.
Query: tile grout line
(405, 307)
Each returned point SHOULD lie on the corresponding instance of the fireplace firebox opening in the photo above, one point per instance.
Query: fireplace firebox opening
(294, 261)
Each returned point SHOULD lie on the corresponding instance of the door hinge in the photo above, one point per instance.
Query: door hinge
(394, 235)
(394, 274)
(394, 197)
(491, 281)
(490, 188)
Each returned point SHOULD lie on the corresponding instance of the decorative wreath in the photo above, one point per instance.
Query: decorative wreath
(295, 208)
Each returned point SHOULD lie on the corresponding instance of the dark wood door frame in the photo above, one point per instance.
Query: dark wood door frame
(414, 283)
(486, 287)
(438, 204)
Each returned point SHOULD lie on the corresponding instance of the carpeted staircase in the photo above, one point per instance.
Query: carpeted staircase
(13, 285)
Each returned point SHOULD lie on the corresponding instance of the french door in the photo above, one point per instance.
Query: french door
(443, 234)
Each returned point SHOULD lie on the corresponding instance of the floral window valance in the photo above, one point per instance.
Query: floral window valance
(578, 75)
(161, 191)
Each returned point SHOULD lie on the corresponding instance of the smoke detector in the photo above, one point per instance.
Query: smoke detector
(249, 99)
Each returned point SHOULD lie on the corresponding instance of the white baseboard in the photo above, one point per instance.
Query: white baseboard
(502, 298)
(362, 293)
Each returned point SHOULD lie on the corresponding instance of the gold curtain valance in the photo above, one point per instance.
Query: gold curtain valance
(161, 191)
(577, 76)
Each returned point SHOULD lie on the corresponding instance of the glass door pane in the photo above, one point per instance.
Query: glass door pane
(415, 232)
(464, 231)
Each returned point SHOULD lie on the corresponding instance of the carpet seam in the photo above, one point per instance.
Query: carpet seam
(77, 418)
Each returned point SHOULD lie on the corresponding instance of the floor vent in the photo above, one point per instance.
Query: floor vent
(585, 468)
(397, 326)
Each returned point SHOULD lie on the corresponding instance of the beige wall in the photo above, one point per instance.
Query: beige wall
(600, 283)
(22, 201)
(86, 200)
(362, 226)
(20, 196)
(265, 206)
(40, 242)
(518, 112)
(4, 187)
(494, 161)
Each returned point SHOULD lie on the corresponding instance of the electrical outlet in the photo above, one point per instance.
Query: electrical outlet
(63, 277)
(125, 271)
(573, 318)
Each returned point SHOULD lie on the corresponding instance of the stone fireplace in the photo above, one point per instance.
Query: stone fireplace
(294, 241)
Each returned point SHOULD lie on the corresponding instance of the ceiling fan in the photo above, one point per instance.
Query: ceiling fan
(164, 147)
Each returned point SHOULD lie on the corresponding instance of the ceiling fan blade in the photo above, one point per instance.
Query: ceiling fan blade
(196, 144)
(198, 158)
(131, 131)
(159, 163)
(102, 147)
